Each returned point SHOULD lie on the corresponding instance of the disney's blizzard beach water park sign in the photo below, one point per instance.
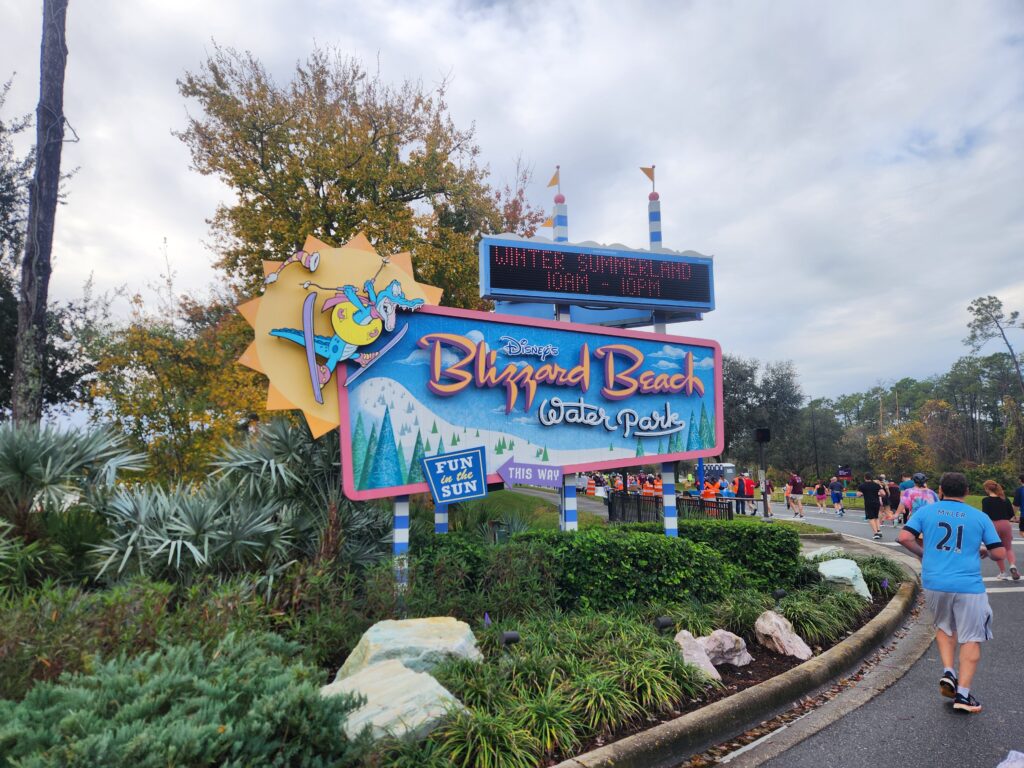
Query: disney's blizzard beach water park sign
(355, 342)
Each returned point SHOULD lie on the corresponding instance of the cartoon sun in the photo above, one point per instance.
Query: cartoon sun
(299, 349)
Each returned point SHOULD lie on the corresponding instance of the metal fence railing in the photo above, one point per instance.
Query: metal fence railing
(696, 508)
(625, 507)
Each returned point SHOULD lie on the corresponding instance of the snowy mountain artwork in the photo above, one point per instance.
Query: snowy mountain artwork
(570, 396)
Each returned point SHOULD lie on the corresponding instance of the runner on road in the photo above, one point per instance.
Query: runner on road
(836, 488)
(872, 493)
(918, 496)
(819, 494)
(948, 536)
(1000, 512)
(796, 494)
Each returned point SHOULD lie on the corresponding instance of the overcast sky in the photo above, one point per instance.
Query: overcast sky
(856, 169)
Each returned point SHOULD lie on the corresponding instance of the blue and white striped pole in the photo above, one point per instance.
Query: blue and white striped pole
(668, 468)
(441, 518)
(569, 520)
(561, 218)
(654, 220)
(400, 545)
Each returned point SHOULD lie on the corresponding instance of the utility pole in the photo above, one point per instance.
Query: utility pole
(814, 440)
(36, 266)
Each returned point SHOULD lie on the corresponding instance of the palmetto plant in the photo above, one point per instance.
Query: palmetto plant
(188, 530)
(283, 466)
(45, 470)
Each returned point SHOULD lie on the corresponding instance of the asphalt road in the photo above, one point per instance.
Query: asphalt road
(909, 724)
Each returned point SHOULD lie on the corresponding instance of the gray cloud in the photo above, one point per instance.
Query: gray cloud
(856, 169)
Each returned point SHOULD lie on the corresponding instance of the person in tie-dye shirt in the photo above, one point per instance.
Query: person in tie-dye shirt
(916, 497)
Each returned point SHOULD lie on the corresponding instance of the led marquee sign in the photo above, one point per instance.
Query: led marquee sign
(561, 273)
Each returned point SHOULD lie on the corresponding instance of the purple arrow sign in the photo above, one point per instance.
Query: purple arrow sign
(514, 473)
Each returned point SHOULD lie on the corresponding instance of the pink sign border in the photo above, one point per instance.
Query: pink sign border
(348, 481)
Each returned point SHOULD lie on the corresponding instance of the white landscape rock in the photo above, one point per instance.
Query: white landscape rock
(831, 549)
(694, 653)
(726, 648)
(846, 573)
(420, 644)
(399, 702)
(775, 633)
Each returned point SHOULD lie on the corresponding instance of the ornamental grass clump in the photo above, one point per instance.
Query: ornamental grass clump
(738, 612)
(883, 576)
(570, 679)
(551, 719)
(479, 739)
(823, 614)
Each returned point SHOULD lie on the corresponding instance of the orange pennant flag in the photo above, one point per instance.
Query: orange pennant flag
(554, 179)
(649, 173)
(548, 222)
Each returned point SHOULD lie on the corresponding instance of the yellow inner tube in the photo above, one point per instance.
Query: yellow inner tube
(349, 330)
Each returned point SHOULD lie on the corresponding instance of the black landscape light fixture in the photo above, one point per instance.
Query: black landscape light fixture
(664, 622)
(778, 594)
(511, 637)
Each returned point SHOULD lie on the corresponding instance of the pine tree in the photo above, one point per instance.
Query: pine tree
(611, 447)
(386, 471)
(478, 433)
(639, 448)
(544, 457)
(371, 447)
(707, 430)
(661, 447)
(402, 465)
(433, 429)
(440, 447)
(693, 437)
(358, 449)
(416, 462)
(426, 446)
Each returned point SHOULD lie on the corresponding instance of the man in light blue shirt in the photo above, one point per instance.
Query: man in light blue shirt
(951, 537)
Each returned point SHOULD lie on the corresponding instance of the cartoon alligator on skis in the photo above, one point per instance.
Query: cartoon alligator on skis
(358, 320)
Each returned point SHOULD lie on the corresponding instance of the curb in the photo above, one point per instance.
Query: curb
(821, 537)
(669, 743)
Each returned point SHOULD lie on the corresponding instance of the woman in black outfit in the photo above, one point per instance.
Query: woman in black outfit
(1000, 511)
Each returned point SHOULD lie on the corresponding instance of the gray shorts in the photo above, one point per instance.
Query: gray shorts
(968, 616)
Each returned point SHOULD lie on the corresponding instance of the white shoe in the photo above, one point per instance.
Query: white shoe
(1001, 577)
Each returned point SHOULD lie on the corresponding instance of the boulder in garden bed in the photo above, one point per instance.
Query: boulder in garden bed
(694, 653)
(399, 702)
(845, 573)
(824, 552)
(420, 644)
(726, 648)
(775, 633)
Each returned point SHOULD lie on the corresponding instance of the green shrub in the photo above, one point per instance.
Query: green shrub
(603, 568)
(54, 629)
(770, 554)
(241, 703)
